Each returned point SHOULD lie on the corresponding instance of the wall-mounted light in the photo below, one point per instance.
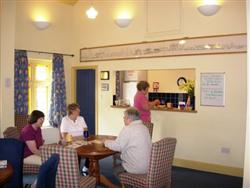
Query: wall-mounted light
(91, 13)
(41, 25)
(122, 22)
(209, 7)
(123, 19)
(104, 75)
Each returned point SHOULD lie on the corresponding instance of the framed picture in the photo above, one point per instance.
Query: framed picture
(104, 75)
(222, 44)
(105, 87)
(156, 86)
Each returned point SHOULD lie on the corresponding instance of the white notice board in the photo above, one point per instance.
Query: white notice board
(212, 89)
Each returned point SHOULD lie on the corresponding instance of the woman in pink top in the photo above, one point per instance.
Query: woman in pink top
(141, 102)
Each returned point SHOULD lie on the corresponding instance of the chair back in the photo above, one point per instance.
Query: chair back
(21, 121)
(161, 160)
(11, 132)
(68, 169)
(150, 127)
(47, 172)
(12, 151)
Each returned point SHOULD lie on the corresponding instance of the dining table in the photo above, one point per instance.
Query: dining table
(93, 148)
(5, 174)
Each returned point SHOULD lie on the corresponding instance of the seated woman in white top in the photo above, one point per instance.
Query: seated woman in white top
(74, 125)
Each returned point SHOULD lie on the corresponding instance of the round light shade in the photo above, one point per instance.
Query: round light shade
(41, 24)
(208, 10)
(123, 22)
(91, 13)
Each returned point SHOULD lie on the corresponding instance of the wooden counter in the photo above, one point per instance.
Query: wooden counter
(162, 109)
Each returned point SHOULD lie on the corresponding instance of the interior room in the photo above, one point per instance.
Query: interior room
(104, 56)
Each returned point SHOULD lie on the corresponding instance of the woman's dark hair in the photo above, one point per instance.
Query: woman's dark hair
(72, 107)
(34, 116)
(142, 85)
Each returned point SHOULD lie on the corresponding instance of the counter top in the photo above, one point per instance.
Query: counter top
(162, 109)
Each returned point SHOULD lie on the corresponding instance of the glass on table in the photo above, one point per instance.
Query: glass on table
(68, 138)
(85, 134)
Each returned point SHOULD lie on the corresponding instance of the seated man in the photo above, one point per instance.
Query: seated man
(134, 143)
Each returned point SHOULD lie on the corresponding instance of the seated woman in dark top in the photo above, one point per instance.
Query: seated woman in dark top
(32, 136)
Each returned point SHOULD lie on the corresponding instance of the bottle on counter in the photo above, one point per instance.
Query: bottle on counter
(114, 99)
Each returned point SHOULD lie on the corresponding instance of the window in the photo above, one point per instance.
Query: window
(40, 76)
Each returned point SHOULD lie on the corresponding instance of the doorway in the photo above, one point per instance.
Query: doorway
(86, 96)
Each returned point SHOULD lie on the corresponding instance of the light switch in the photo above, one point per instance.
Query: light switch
(7, 82)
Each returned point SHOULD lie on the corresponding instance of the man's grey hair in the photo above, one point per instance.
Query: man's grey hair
(132, 113)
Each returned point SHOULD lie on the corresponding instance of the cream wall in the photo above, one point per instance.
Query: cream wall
(19, 32)
(201, 135)
(8, 12)
(54, 39)
(57, 38)
(168, 79)
(1, 10)
(246, 180)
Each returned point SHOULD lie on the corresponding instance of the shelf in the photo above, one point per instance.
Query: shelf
(161, 109)
(112, 106)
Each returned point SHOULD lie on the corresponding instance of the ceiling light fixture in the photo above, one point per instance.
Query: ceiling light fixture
(91, 13)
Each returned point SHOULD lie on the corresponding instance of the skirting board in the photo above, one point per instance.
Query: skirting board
(215, 168)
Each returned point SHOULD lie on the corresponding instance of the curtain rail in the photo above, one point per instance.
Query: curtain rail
(40, 52)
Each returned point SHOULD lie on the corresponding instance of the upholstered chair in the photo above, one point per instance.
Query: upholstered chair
(68, 175)
(14, 132)
(160, 167)
(150, 127)
(12, 151)
(21, 121)
(11, 132)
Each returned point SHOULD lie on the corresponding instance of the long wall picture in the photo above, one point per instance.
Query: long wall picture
(222, 44)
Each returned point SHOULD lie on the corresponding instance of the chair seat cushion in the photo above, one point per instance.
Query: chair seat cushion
(31, 168)
(136, 180)
(87, 182)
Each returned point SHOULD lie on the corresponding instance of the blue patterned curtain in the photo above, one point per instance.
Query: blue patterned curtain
(58, 92)
(21, 83)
